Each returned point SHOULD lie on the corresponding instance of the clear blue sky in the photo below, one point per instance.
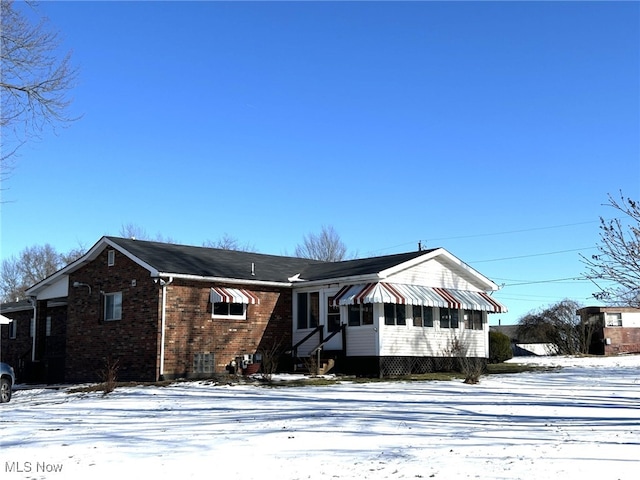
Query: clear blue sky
(494, 130)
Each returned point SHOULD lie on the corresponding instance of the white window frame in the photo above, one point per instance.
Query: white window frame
(361, 314)
(468, 322)
(308, 315)
(399, 318)
(111, 258)
(613, 319)
(116, 307)
(229, 315)
(450, 312)
(13, 330)
(423, 310)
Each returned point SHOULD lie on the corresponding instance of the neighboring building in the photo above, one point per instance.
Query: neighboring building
(169, 311)
(613, 330)
(525, 345)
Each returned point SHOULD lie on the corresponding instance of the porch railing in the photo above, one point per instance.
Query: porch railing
(323, 342)
(294, 349)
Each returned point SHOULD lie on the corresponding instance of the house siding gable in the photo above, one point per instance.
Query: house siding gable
(434, 273)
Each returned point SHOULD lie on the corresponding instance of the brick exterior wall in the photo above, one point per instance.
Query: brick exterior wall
(191, 329)
(132, 341)
(623, 340)
(17, 351)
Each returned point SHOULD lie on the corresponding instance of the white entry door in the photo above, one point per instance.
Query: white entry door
(331, 316)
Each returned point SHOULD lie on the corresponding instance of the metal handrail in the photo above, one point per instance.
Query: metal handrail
(324, 342)
(294, 349)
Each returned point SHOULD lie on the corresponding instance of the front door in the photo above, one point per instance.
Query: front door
(332, 321)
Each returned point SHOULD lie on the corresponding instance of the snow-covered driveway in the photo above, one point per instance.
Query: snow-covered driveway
(580, 422)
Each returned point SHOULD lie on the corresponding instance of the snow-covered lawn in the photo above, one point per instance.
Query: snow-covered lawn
(579, 422)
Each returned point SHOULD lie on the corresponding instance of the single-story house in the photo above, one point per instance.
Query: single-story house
(613, 330)
(161, 310)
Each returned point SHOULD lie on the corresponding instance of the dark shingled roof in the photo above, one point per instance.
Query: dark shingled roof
(214, 262)
(360, 266)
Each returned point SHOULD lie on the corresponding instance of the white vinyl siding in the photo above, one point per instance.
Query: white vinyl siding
(433, 274)
(409, 340)
(422, 342)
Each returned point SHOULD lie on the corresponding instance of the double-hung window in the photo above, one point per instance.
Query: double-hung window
(112, 306)
(308, 310)
(395, 314)
(473, 319)
(422, 316)
(449, 318)
(360, 314)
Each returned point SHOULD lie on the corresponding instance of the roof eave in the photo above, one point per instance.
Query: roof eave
(237, 281)
(83, 260)
(349, 279)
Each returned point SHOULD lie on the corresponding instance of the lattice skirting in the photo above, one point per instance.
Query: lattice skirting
(396, 366)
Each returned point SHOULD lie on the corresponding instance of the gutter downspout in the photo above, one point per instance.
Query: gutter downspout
(164, 322)
(35, 328)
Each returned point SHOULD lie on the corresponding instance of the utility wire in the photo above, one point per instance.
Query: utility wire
(533, 255)
(557, 280)
(491, 234)
(515, 231)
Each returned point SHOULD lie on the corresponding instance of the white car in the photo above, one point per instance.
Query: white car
(7, 380)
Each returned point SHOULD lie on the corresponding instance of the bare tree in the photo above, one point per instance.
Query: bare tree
(131, 230)
(558, 324)
(11, 284)
(615, 269)
(326, 246)
(229, 242)
(32, 265)
(34, 83)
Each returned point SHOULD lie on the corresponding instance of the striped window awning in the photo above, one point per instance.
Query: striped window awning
(382, 292)
(233, 295)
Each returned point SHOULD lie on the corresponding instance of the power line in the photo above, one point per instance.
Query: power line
(491, 234)
(516, 231)
(533, 255)
(557, 280)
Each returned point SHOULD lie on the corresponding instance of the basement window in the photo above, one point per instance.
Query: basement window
(203, 363)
